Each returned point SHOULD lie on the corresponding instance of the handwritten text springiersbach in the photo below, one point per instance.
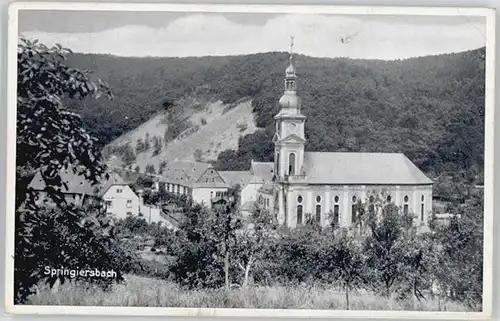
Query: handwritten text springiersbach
(73, 273)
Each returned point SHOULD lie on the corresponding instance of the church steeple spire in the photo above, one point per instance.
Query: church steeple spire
(290, 76)
(290, 102)
(289, 139)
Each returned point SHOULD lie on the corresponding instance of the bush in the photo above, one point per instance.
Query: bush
(132, 224)
(198, 155)
(150, 169)
(197, 264)
(242, 127)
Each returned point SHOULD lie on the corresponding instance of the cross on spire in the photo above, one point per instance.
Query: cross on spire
(291, 47)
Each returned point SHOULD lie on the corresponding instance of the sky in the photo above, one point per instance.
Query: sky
(165, 34)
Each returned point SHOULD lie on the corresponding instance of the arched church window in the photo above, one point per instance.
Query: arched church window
(354, 213)
(318, 199)
(318, 213)
(354, 209)
(299, 199)
(422, 212)
(336, 214)
(406, 198)
(372, 199)
(299, 214)
(291, 164)
(422, 209)
(406, 207)
(389, 198)
(336, 211)
(277, 166)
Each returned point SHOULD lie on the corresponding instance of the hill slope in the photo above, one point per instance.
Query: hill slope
(430, 108)
(210, 128)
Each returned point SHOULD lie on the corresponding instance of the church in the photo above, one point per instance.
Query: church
(329, 186)
(301, 184)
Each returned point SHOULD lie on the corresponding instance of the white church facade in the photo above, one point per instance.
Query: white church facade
(329, 185)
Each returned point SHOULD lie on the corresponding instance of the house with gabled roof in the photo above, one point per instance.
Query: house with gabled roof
(113, 192)
(179, 177)
(200, 181)
(205, 184)
(77, 189)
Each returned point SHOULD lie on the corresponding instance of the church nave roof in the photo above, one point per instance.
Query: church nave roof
(362, 169)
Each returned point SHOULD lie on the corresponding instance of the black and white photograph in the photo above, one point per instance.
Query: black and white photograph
(292, 160)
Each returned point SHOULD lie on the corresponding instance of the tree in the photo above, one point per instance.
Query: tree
(134, 225)
(341, 259)
(225, 222)
(128, 155)
(167, 136)
(421, 261)
(157, 145)
(460, 257)
(139, 146)
(51, 138)
(150, 169)
(253, 241)
(385, 246)
(198, 261)
(198, 155)
(297, 255)
(162, 167)
(144, 181)
(147, 143)
(73, 237)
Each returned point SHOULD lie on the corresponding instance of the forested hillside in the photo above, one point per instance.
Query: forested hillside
(430, 108)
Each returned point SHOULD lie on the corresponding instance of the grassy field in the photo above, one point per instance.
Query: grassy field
(146, 292)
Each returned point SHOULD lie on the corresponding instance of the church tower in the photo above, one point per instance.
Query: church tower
(289, 138)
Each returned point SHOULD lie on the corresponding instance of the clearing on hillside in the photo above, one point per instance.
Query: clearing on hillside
(190, 131)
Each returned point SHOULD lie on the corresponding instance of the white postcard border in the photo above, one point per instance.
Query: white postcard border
(489, 14)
